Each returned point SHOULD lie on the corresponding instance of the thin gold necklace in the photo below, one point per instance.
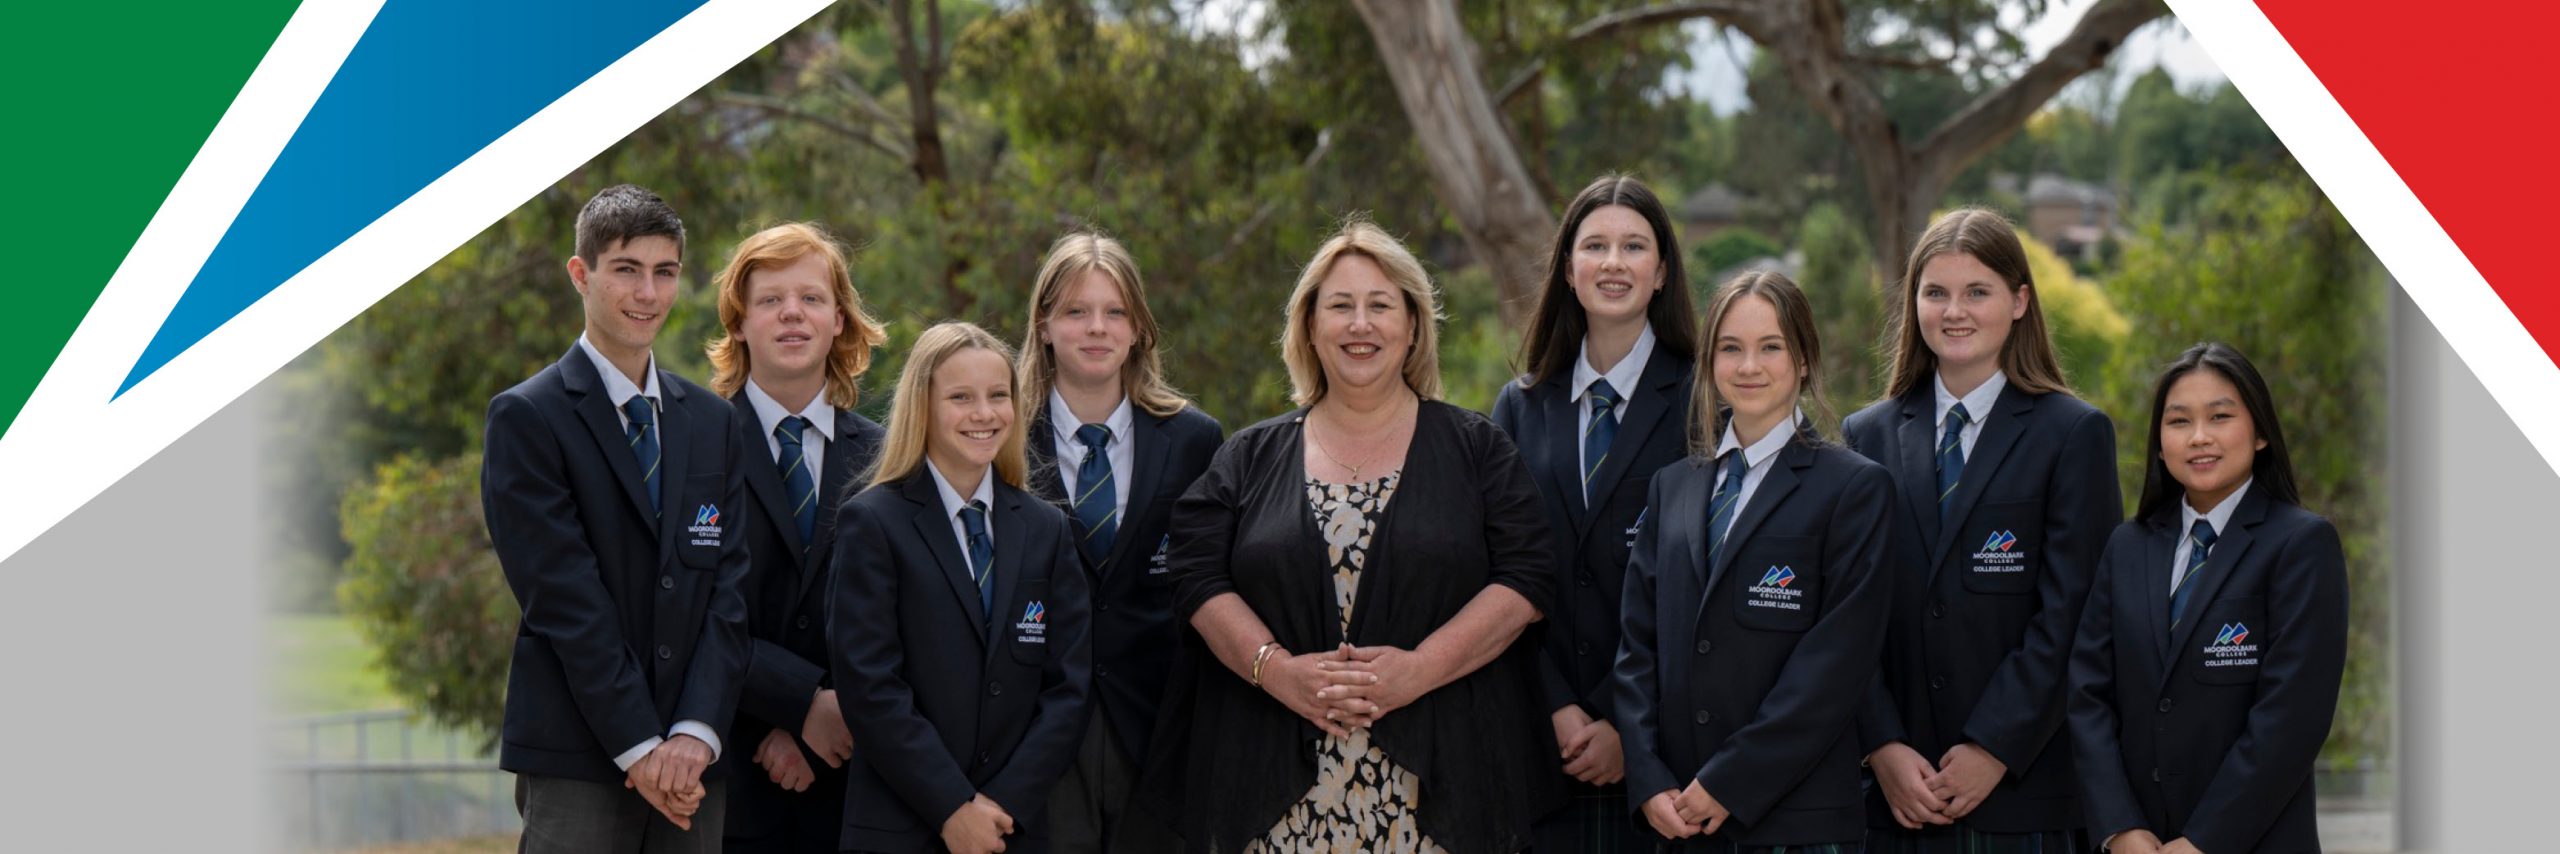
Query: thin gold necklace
(1328, 454)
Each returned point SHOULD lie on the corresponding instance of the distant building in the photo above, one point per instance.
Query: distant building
(1712, 208)
(2070, 216)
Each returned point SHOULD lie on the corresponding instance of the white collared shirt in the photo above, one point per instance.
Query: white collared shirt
(813, 439)
(2219, 517)
(1756, 457)
(952, 503)
(1977, 409)
(1071, 451)
(1622, 376)
(619, 389)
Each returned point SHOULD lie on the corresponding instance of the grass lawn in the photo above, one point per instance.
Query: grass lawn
(317, 664)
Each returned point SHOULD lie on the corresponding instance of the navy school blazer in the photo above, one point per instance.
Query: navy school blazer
(1579, 638)
(787, 621)
(632, 619)
(2207, 730)
(1979, 634)
(1746, 674)
(1135, 636)
(944, 700)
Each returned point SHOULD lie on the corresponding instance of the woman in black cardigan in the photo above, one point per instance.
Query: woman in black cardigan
(1358, 570)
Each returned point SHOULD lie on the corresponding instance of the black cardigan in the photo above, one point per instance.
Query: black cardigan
(1232, 760)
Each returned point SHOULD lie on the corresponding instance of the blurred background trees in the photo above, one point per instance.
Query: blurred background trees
(949, 142)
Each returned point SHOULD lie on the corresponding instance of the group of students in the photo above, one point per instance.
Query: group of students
(1933, 630)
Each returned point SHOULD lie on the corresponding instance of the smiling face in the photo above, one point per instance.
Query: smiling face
(1362, 329)
(1089, 331)
(791, 320)
(627, 293)
(1616, 266)
(2207, 439)
(1965, 311)
(1756, 372)
(972, 409)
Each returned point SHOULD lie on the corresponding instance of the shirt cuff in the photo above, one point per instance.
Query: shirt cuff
(637, 752)
(699, 730)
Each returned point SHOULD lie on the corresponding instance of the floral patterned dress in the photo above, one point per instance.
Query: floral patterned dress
(1361, 801)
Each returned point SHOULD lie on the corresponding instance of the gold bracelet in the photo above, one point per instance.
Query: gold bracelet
(1259, 655)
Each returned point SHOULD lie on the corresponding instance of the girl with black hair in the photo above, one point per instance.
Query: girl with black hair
(2207, 665)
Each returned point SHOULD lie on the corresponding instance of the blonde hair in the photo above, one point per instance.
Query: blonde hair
(781, 246)
(911, 407)
(1804, 343)
(2027, 355)
(1142, 375)
(1358, 236)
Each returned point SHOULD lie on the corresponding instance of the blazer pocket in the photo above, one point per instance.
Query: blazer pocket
(1028, 635)
(2229, 640)
(708, 521)
(1776, 583)
(2002, 551)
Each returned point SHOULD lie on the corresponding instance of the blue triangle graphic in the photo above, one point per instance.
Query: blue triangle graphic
(430, 83)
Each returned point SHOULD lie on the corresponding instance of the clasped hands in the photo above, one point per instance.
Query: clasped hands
(1348, 687)
(1920, 794)
(1685, 812)
(670, 778)
(822, 729)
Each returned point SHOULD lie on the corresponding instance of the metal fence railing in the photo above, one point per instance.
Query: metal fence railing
(372, 778)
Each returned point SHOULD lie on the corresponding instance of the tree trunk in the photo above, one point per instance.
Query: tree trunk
(921, 63)
(1475, 165)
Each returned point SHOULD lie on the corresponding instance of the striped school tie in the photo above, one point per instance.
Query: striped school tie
(1728, 499)
(798, 484)
(982, 554)
(2202, 538)
(1951, 459)
(643, 432)
(1602, 433)
(1097, 499)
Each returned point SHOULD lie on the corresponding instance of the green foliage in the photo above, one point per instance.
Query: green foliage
(1728, 247)
(1847, 304)
(425, 589)
(2269, 267)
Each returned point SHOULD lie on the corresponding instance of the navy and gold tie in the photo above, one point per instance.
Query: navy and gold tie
(1951, 459)
(2201, 539)
(982, 554)
(1097, 497)
(798, 485)
(1602, 433)
(1728, 499)
(643, 431)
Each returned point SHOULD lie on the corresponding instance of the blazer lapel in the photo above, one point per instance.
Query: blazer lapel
(833, 473)
(1998, 436)
(675, 432)
(2153, 587)
(1148, 438)
(1772, 491)
(601, 414)
(1644, 414)
(2227, 551)
(1917, 463)
(1563, 460)
(765, 481)
(1011, 542)
(934, 526)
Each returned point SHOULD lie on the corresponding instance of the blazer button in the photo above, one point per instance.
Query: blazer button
(664, 653)
(666, 582)
(2155, 775)
(1102, 673)
(1705, 647)
(801, 623)
(1582, 579)
(1104, 607)
(1582, 647)
(995, 689)
(1705, 718)
(1938, 609)
(2165, 704)
(982, 757)
(1937, 683)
